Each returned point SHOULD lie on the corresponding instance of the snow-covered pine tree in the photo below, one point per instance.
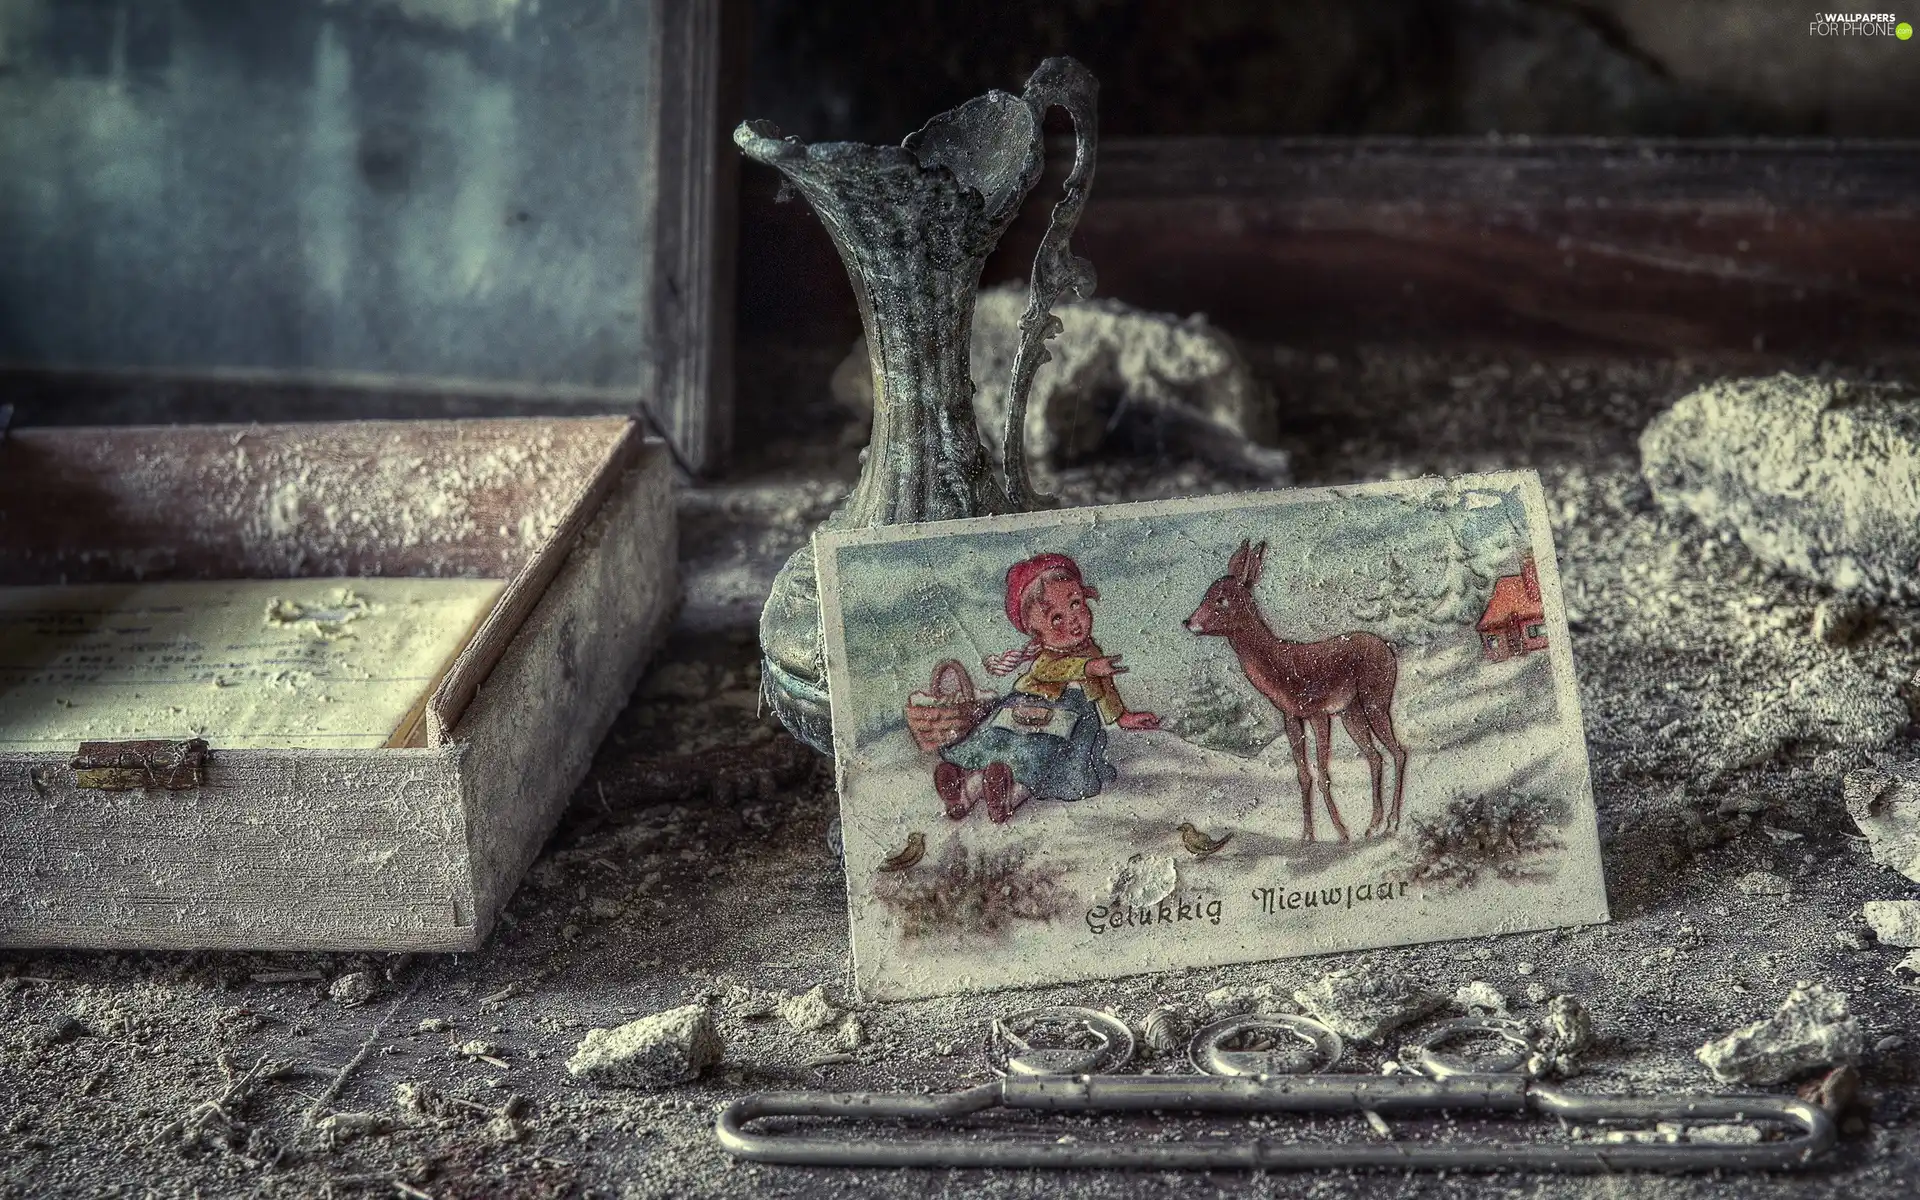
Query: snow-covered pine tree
(1222, 712)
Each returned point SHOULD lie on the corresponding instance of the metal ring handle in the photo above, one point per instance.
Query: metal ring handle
(1207, 1054)
(1435, 1065)
(1008, 1052)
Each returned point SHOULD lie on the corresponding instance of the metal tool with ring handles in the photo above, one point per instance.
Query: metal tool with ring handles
(1064, 1060)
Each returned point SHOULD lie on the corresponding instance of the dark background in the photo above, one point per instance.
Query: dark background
(850, 69)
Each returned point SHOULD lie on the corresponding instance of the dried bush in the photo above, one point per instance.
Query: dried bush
(972, 895)
(1506, 834)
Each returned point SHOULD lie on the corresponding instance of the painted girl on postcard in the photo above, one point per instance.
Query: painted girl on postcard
(1047, 737)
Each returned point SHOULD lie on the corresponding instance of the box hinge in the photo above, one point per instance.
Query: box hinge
(141, 765)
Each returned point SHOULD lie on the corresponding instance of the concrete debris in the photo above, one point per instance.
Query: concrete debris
(1364, 1004)
(1894, 922)
(1178, 384)
(1761, 883)
(1235, 999)
(1910, 965)
(353, 990)
(1725, 1135)
(419, 1102)
(1854, 939)
(1535, 994)
(1480, 999)
(653, 1052)
(810, 1010)
(1819, 476)
(851, 1035)
(1884, 801)
(477, 1049)
(434, 1025)
(1564, 1034)
(1812, 1030)
(748, 1003)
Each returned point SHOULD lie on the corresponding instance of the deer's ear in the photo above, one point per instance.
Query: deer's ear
(1255, 559)
(1237, 565)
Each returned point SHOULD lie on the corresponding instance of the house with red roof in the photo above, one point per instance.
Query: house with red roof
(1515, 623)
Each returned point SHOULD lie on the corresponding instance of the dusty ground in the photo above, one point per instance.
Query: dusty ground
(695, 857)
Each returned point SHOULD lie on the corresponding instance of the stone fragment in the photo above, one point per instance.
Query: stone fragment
(748, 1003)
(1811, 1030)
(345, 1126)
(1854, 939)
(653, 1052)
(1910, 965)
(1894, 922)
(1761, 883)
(1480, 999)
(1364, 1003)
(810, 1010)
(1564, 1034)
(1884, 801)
(1819, 476)
(1177, 382)
(353, 989)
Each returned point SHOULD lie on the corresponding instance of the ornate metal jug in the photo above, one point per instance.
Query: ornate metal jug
(914, 224)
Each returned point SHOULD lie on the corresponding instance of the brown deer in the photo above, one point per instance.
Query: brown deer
(1351, 676)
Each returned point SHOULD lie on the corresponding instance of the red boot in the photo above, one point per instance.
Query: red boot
(951, 782)
(999, 787)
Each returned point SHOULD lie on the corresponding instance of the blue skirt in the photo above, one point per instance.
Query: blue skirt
(1070, 764)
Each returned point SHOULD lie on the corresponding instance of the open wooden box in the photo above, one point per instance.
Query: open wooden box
(143, 845)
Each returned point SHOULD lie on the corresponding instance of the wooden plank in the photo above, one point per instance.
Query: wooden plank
(530, 733)
(528, 585)
(1807, 248)
(460, 498)
(288, 849)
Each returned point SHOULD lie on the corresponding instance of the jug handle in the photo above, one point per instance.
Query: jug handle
(1057, 272)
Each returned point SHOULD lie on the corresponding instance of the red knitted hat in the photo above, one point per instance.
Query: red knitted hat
(1020, 574)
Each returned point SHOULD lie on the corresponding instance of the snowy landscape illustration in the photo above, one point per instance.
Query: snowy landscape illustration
(1096, 742)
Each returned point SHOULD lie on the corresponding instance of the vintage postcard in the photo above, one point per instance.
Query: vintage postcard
(1103, 741)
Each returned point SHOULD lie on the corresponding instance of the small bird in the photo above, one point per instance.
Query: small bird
(916, 847)
(1199, 843)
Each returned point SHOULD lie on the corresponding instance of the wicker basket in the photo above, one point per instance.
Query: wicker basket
(948, 710)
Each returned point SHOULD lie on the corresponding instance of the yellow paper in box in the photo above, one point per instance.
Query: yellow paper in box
(245, 664)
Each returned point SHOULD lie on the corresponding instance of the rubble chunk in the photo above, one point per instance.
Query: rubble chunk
(1564, 1034)
(1811, 1030)
(352, 989)
(1884, 801)
(1819, 476)
(1364, 1004)
(810, 1010)
(653, 1052)
(1761, 883)
(1894, 922)
(1480, 999)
